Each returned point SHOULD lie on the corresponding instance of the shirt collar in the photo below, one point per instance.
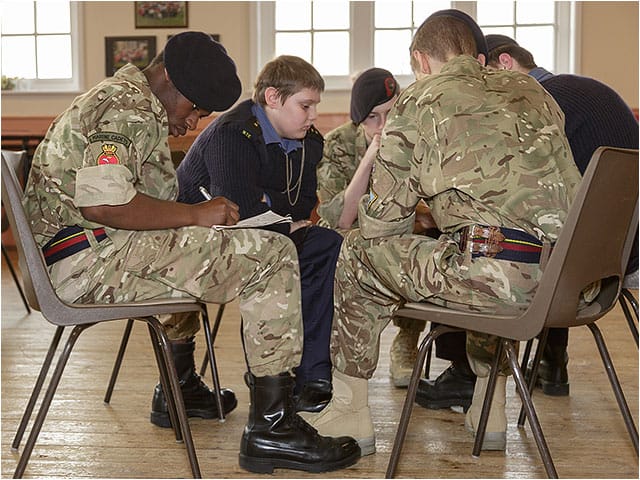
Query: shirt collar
(269, 133)
(540, 74)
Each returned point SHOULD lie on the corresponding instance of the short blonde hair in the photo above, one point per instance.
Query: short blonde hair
(288, 75)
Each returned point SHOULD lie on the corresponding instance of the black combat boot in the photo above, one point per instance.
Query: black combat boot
(199, 400)
(276, 437)
(553, 378)
(453, 387)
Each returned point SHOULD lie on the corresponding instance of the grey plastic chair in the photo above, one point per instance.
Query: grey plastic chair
(42, 297)
(20, 157)
(593, 245)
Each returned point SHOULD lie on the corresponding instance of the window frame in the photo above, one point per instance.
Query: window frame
(64, 85)
(362, 33)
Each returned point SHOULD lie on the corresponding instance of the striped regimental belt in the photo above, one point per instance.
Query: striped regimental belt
(504, 243)
(68, 241)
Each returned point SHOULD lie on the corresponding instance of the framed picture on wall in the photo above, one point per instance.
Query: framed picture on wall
(122, 50)
(161, 14)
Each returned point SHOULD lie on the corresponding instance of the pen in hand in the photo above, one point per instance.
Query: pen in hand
(205, 193)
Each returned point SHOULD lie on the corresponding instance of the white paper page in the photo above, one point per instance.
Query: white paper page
(266, 218)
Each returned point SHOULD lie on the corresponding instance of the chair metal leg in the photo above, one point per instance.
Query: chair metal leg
(533, 375)
(118, 362)
(163, 374)
(615, 384)
(512, 357)
(486, 404)
(15, 279)
(624, 297)
(525, 357)
(631, 299)
(214, 333)
(44, 370)
(46, 401)
(427, 365)
(175, 392)
(209, 336)
(410, 398)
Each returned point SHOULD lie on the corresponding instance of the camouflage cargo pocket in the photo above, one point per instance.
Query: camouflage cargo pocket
(145, 249)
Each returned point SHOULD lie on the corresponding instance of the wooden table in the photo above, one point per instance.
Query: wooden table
(24, 133)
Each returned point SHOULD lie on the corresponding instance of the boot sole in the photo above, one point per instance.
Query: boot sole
(553, 389)
(400, 382)
(445, 403)
(367, 446)
(161, 419)
(267, 465)
(493, 441)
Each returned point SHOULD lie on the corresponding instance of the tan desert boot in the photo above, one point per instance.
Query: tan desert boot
(403, 354)
(495, 437)
(347, 413)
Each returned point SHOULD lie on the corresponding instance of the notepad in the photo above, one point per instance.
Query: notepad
(267, 218)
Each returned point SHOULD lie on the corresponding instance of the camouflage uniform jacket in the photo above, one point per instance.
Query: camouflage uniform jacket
(344, 148)
(480, 147)
(111, 143)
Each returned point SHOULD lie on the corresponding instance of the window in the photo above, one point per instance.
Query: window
(40, 46)
(533, 25)
(342, 38)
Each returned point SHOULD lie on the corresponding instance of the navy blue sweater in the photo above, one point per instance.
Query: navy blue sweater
(595, 115)
(230, 159)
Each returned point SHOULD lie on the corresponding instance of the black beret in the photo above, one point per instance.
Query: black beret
(373, 87)
(481, 43)
(494, 41)
(201, 70)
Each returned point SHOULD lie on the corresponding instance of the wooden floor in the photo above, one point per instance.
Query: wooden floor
(83, 437)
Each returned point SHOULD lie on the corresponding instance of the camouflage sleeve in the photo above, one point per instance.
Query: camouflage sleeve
(332, 179)
(110, 165)
(392, 203)
(101, 185)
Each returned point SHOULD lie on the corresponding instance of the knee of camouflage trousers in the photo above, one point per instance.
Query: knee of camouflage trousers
(180, 325)
(481, 349)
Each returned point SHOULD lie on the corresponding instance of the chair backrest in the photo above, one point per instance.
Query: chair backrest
(32, 264)
(19, 156)
(595, 241)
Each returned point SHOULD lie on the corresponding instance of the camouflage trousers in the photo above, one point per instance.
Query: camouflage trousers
(256, 266)
(375, 277)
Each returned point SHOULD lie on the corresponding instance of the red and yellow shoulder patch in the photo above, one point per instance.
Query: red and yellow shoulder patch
(108, 155)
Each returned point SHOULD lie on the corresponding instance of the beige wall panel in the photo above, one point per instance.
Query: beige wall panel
(609, 50)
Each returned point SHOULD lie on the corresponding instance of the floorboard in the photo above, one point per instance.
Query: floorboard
(83, 437)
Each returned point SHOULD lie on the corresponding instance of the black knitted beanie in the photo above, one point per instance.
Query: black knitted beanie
(373, 87)
(201, 70)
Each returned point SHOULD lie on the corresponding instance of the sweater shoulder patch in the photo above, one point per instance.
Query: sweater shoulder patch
(251, 128)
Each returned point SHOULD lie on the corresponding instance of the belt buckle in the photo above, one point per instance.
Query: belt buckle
(485, 240)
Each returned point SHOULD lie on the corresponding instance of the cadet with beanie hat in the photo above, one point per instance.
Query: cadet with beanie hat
(372, 87)
(216, 86)
(595, 115)
(104, 175)
(343, 177)
(349, 150)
